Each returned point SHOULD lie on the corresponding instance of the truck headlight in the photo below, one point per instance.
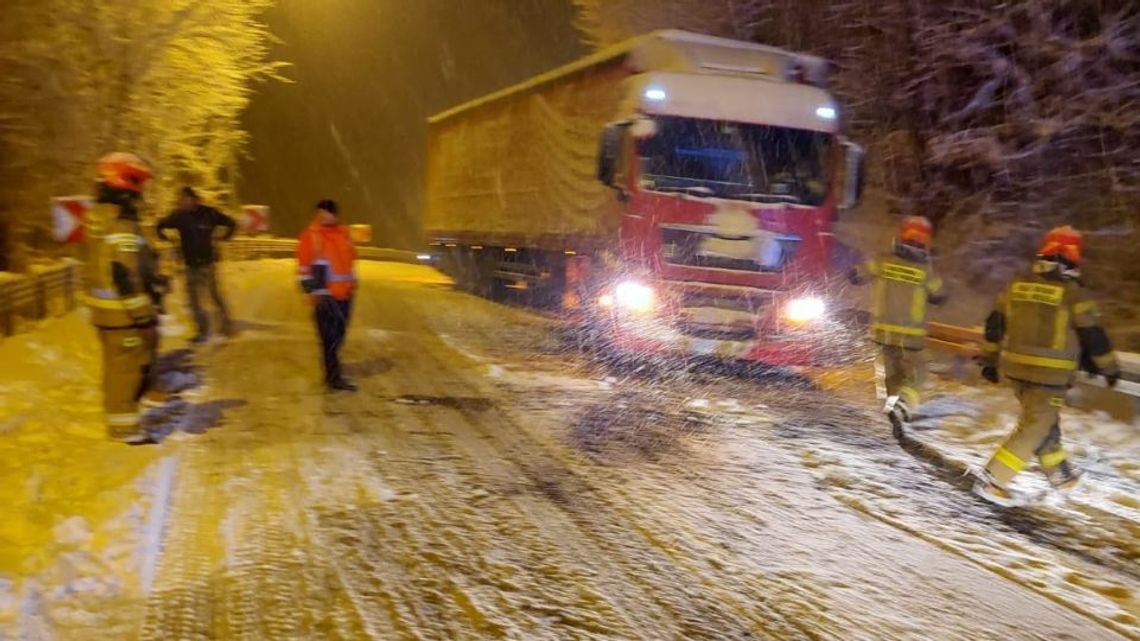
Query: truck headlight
(805, 309)
(633, 296)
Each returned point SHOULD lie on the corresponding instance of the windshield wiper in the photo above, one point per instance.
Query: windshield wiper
(692, 190)
(769, 197)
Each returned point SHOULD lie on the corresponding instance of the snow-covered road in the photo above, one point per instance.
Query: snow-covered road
(486, 482)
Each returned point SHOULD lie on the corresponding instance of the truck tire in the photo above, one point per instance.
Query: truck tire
(455, 264)
(447, 265)
(548, 292)
(484, 263)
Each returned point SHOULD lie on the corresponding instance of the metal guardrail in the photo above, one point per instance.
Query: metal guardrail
(44, 291)
(965, 341)
(48, 291)
(53, 290)
(253, 248)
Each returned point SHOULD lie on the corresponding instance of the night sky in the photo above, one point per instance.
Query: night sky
(367, 74)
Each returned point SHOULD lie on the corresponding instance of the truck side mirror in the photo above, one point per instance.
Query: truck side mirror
(853, 176)
(609, 152)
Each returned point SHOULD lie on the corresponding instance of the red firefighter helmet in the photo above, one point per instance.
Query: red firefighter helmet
(915, 231)
(123, 170)
(1063, 243)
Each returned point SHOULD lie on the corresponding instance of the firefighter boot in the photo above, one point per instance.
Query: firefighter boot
(898, 413)
(153, 399)
(1063, 475)
(987, 487)
(1072, 478)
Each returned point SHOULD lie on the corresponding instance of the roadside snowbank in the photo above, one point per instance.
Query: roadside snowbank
(76, 505)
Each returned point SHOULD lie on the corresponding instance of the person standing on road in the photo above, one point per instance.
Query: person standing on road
(1042, 330)
(121, 285)
(326, 268)
(196, 225)
(904, 283)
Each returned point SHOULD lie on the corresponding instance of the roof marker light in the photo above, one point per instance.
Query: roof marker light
(826, 112)
(656, 94)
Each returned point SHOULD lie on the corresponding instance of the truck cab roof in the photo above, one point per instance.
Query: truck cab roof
(681, 52)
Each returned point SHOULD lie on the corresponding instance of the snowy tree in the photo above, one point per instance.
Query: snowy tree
(605, 22)
(167, 79)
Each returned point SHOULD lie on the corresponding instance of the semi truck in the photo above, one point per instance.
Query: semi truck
(676, 193)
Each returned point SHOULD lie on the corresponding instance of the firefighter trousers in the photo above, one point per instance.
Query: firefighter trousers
(1038, 432)
(904, 373)
(128, 369)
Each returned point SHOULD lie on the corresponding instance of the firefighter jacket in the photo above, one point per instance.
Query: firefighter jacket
(120, 269)
(326, 261)
(903, 285)
(1042, 329)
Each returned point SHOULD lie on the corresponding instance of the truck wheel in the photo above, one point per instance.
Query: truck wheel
(464, 273)
(549, 292)
(484, 263)
(447, 265)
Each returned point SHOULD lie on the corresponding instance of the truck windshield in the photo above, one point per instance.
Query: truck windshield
(735, 160)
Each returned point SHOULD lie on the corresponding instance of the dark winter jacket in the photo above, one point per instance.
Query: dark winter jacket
(196, 232)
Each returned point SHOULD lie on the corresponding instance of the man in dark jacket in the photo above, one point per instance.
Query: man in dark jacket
(196, 224)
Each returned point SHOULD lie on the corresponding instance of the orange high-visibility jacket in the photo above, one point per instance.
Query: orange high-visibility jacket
(332, 246)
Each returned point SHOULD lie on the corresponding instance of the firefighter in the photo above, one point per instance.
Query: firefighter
(904, 283)
(1041, 331)
(121, 289)
(326, 269)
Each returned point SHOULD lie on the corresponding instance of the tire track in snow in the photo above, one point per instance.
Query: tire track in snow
(520, 447)
(179, 603)
(457, 471)
(156, 521)
(230, 568)
(441, 558)
(846, 419)
(610, 526)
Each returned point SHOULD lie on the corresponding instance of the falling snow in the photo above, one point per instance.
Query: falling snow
(490, 481)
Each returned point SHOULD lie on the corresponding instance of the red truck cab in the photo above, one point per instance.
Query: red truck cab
(701, 224)
(729, 189)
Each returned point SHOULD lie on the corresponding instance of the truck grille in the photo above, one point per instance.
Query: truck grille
(720, 316)
(722, 301)
(717, 332)
(699, 248)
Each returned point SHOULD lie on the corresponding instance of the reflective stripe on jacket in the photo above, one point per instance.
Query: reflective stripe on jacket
(901, 291)
(328, 248)
(119, 262)
(1040, 327)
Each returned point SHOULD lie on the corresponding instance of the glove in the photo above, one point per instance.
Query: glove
(308, 285)
(990, 373)
(1110, 379)
(161, 284)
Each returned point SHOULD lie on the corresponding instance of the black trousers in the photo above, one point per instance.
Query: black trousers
(332, 324)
